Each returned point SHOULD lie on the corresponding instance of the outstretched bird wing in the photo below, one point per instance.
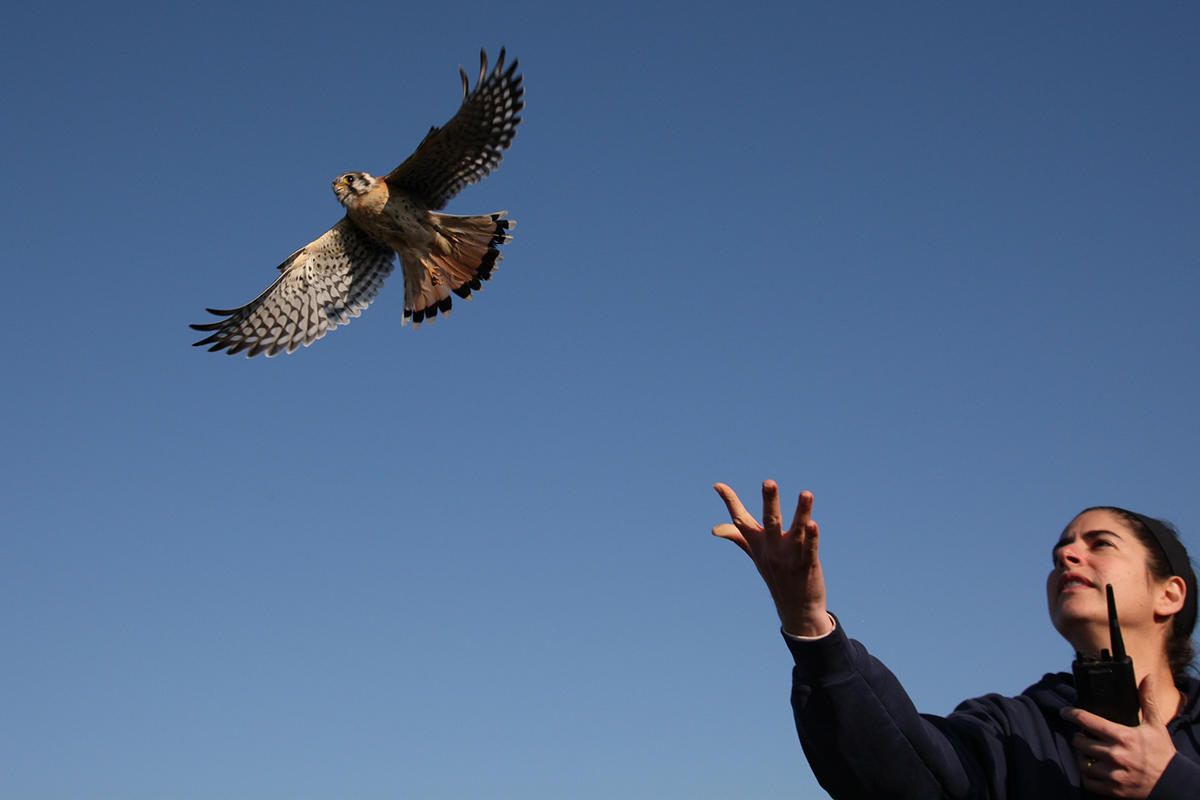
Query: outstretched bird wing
(323, 285)
(468, 147)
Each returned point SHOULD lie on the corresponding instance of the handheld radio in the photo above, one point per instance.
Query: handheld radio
(1106, 685)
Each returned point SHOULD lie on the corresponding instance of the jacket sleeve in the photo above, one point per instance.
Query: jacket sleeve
(1180, 780)
(864, 738)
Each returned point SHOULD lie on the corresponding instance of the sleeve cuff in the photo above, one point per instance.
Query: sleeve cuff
(797, 638)
(822, 658)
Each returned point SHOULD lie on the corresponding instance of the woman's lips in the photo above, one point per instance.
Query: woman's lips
(1074, 582)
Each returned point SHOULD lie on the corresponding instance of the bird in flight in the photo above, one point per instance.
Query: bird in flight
(332, 279)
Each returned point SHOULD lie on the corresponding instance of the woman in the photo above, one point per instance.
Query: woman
(864, 739)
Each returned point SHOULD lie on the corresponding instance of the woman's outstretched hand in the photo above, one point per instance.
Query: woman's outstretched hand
(787, 560)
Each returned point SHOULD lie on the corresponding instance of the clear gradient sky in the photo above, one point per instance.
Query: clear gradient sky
(935, 262)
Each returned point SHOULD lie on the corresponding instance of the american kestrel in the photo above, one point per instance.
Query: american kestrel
(331, 280)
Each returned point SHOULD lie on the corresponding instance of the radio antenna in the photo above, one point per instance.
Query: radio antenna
(1114, 627)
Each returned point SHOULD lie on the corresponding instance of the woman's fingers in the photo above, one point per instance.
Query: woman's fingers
(803, 512)
(731, 532)
(743, 521)
(812, 535)
(737, 512)
(772, 520)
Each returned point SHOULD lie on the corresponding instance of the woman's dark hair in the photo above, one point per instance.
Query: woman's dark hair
(1167, 557)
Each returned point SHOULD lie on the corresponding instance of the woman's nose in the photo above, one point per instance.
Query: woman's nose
(1067, 554)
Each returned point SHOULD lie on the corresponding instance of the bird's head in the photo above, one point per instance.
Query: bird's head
(351, 186)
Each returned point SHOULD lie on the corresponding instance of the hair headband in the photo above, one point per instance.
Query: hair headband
(1177, 560)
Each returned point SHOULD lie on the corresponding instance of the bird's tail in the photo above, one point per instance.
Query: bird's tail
(465, 252)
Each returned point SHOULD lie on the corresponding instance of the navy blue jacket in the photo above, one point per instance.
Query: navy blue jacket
(864, 739)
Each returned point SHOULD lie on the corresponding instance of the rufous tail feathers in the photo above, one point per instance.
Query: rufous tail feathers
(465, 253)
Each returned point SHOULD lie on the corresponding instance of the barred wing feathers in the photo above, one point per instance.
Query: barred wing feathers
(323, 285)
(468, 148)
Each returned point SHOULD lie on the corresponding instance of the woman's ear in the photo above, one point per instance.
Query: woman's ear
(1171, 594)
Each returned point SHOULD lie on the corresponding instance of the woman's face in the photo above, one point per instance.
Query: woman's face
(1096, 549)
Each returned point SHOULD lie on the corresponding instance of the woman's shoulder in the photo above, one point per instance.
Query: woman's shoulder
(1037, 707)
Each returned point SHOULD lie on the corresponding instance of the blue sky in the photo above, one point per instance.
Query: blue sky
(934, 262)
